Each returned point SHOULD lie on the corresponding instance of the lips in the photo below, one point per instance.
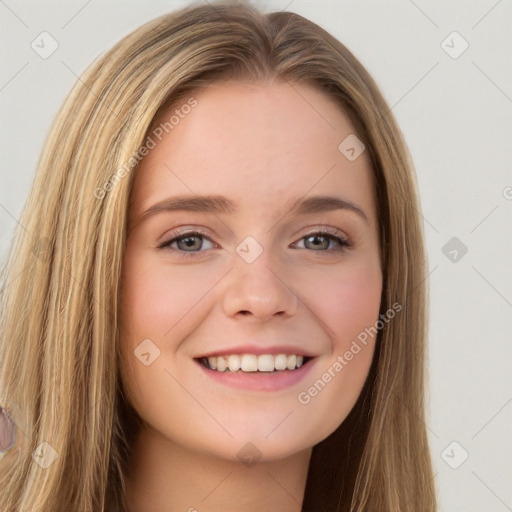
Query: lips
(252, 378)
(257, 367)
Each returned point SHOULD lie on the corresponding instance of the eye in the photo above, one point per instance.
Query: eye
(188, 244)
(321, 240)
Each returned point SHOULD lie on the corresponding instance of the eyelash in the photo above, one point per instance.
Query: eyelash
(344, 244)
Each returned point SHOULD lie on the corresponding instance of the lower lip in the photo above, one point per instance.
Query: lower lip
(259, 381)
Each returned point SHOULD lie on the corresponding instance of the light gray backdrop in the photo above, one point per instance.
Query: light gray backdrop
(452, 96)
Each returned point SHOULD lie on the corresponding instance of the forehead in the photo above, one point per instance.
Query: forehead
(259, 143)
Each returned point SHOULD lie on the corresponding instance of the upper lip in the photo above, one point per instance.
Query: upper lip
(259, 350)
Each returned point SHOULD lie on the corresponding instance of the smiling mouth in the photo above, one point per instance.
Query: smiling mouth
(251, 363)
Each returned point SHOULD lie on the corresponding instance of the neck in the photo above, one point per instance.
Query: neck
(165, 477)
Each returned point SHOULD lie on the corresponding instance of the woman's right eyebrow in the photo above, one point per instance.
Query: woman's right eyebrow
(219, 204)
(213, 204)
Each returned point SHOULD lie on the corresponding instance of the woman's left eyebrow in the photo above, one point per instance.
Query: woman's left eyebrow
(219, 204)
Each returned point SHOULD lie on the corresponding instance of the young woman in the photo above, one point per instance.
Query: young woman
(218, 299)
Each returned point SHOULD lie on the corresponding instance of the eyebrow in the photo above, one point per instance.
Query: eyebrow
(222, 205)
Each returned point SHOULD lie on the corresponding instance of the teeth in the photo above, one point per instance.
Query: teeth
(221, 364)
(266, 363)
(249, 363)
(234, 363)
(280, 362)
(252, 363)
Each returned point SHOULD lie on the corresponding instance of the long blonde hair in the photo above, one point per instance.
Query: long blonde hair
(59, 325)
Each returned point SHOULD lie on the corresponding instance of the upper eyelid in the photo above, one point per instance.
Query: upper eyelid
(191, 228)
(179, 232)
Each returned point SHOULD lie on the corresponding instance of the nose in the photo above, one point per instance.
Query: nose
(258, 290)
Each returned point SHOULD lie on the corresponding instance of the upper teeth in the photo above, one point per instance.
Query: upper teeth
(254, 363)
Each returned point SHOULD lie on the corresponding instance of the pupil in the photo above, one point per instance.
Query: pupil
(315, 239)
(189, 241)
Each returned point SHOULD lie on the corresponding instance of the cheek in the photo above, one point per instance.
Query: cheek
(159, 302)
(346, 299)
(156, 296)
(347, 302)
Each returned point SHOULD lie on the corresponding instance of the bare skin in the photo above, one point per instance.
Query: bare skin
(209, 445)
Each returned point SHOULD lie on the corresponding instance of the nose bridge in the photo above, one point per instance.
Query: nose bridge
(256, 286)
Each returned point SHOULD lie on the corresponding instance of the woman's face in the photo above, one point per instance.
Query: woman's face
(260, 286)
